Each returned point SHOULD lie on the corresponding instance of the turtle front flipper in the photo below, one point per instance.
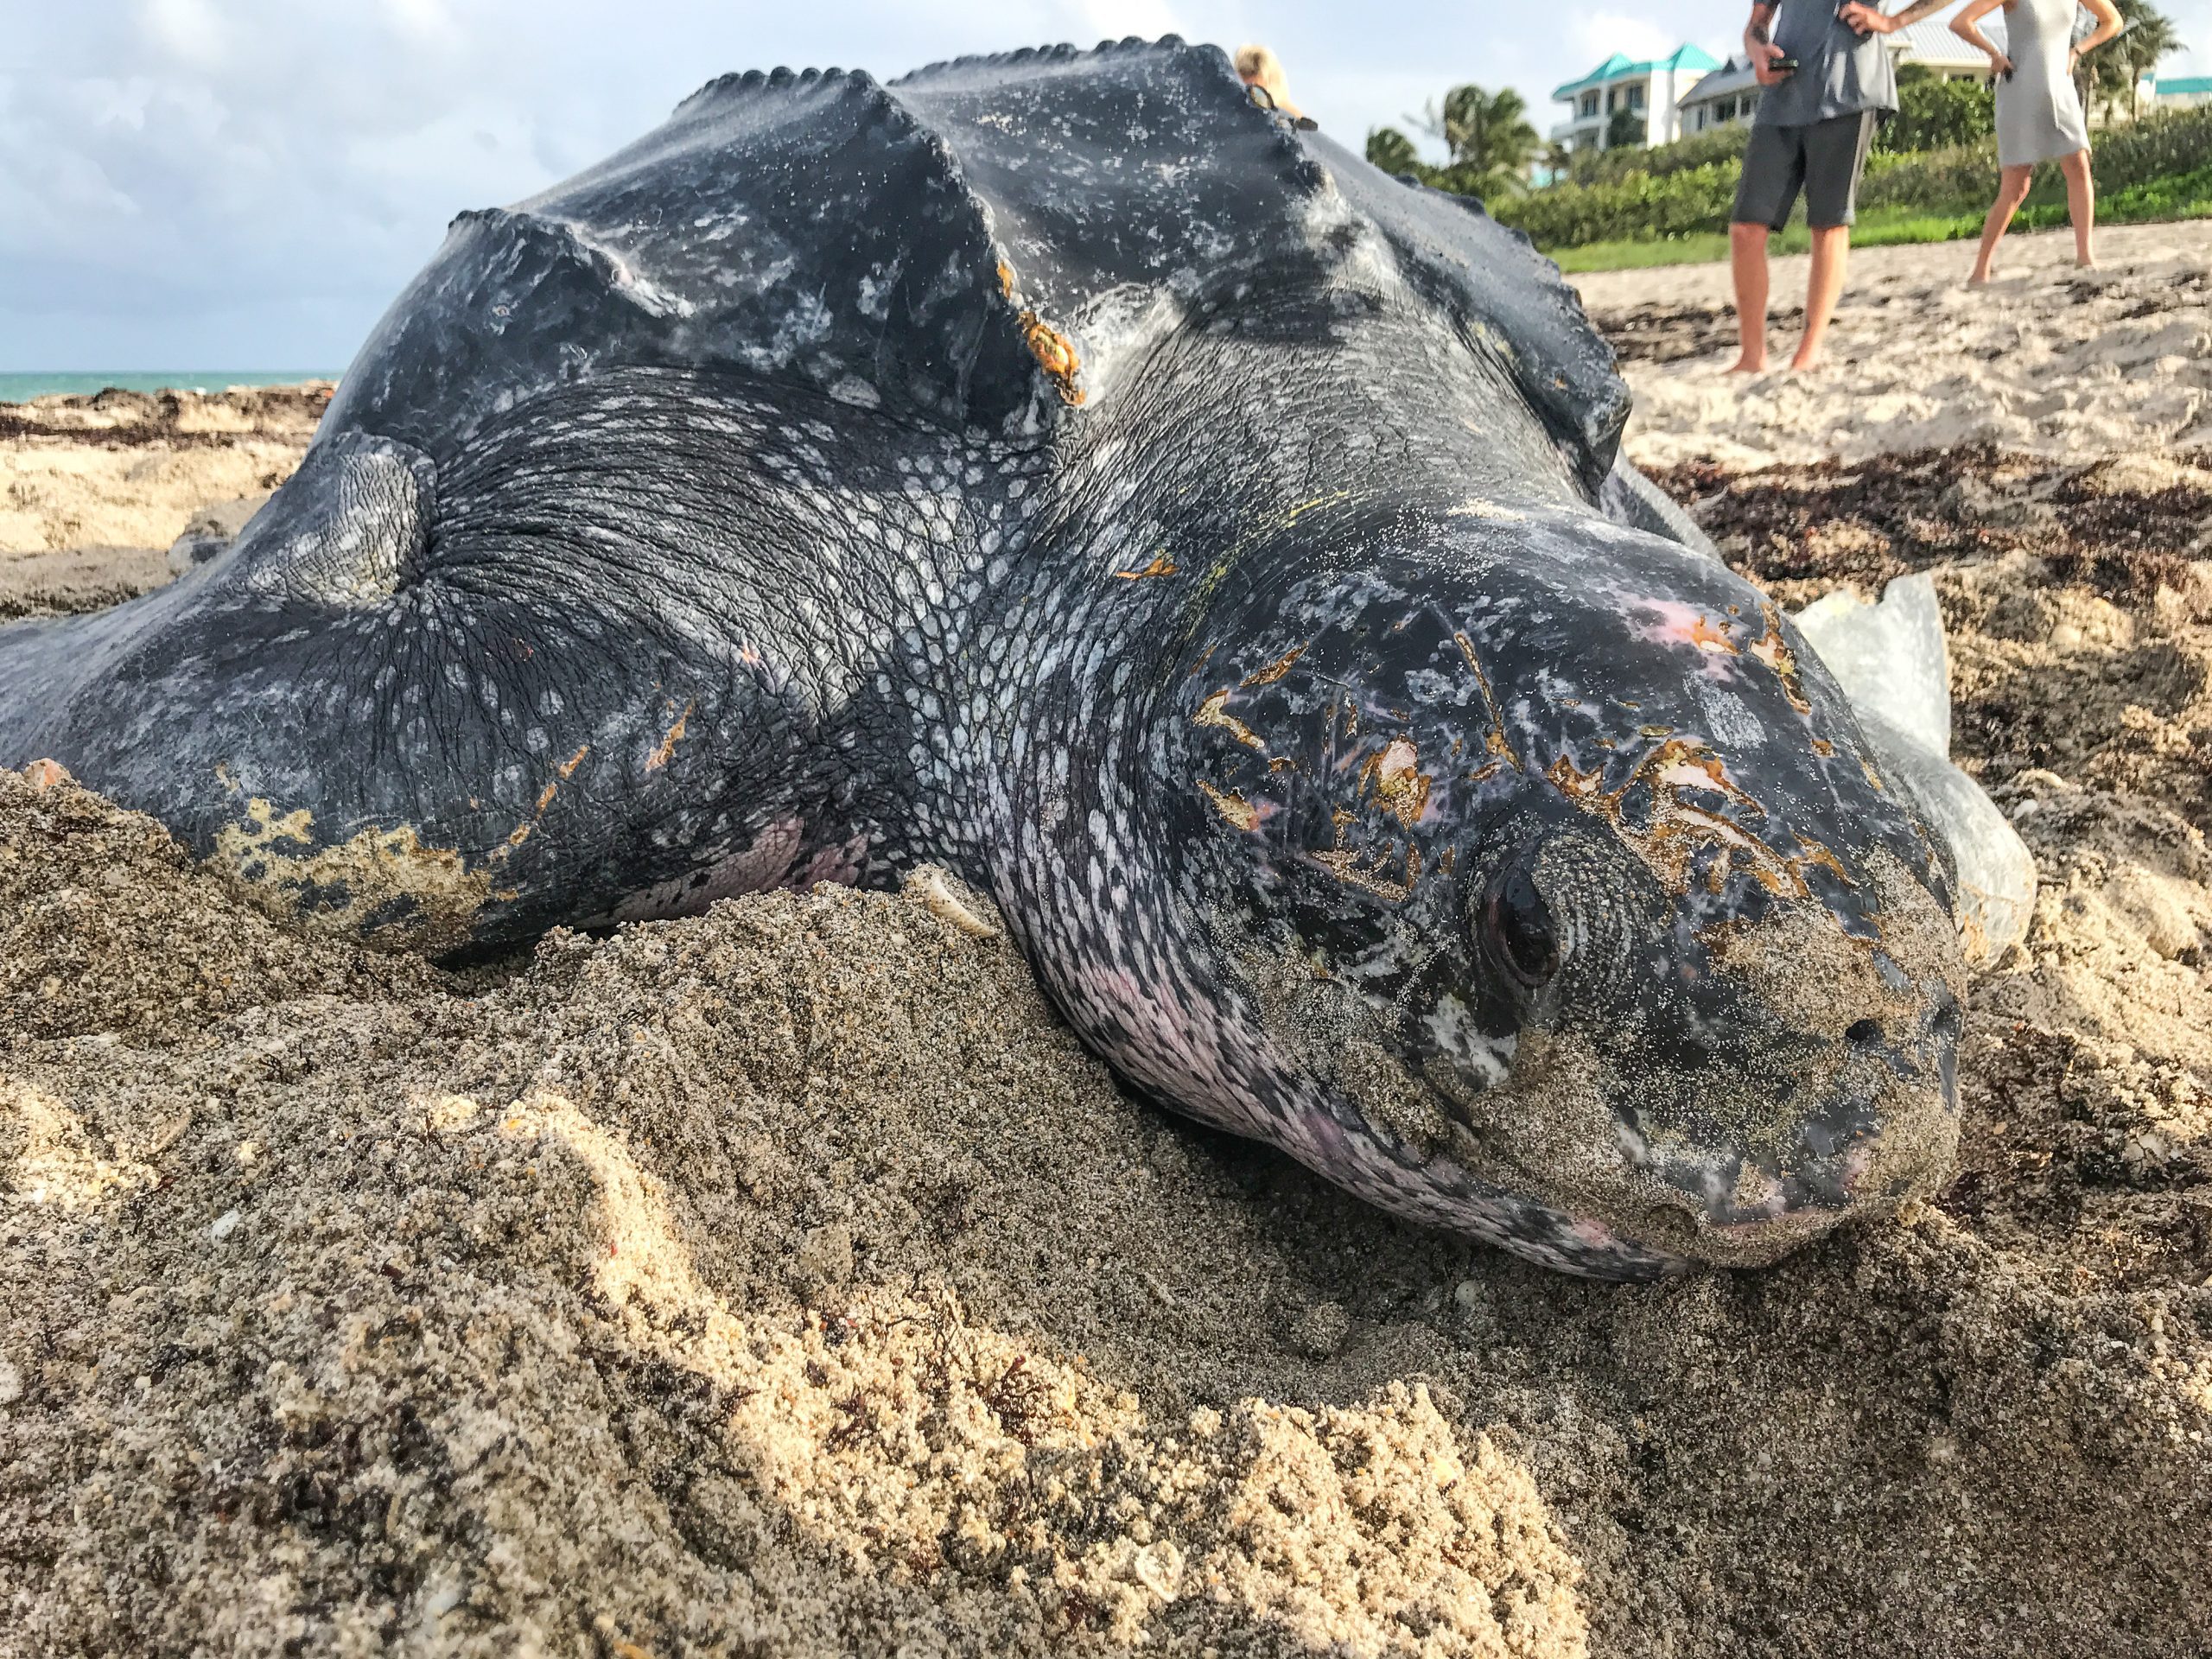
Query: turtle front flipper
(618, 660)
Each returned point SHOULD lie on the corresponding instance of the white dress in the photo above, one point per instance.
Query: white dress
(2038, 112)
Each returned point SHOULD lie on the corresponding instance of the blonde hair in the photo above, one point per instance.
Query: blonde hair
(1257, 63)
(1257, 67)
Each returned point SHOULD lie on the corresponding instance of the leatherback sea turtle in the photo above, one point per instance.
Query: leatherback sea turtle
(1056, 466)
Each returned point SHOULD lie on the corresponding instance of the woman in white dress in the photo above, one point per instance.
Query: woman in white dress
(2039, 110)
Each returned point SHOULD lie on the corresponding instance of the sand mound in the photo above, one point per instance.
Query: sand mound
(787, 1280)
(105, 927)
(729, 1281)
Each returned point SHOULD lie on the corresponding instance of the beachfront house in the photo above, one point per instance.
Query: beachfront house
(1933, 46)
(2180, 92)
(1730, 93)
(1645, 96)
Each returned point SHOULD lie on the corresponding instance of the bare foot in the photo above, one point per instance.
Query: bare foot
(1803, 364)
(1748, 364)
(1979, 279)
(2087, 264)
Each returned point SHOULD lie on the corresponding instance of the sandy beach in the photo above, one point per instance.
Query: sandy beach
(94, 489)
(788, 1280)
(2047, 358)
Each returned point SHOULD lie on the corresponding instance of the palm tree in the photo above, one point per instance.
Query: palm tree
(2116, 71)
(1487, 138)
(1392, 151)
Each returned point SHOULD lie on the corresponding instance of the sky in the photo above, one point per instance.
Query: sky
(246, 184)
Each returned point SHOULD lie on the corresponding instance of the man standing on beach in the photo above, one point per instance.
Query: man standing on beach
(1828, 80)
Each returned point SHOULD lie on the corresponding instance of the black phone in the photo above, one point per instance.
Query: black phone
(1785, 65)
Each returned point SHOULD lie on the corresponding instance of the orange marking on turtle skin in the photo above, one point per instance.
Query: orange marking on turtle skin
(1400, 786)
(1006, 279)
(1576, 786)
(1055, 353)
(1684, 764)
(1275, 670)
(568, 767)
(1345, 865)
(1677, 624)
(1212, 712)
(1231, 806)
(1771, 649)
(1706, 637)
(1680, 828)
(1816, 854)
(545, 797)
(1160, 566)
(43, 775)
(1495, 740)
(674, 735)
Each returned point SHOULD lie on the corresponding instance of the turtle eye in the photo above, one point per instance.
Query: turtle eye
(1521, 934)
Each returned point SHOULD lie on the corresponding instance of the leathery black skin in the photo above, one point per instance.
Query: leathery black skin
(1216, 551)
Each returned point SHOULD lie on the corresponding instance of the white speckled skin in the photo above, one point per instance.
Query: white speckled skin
(1054, 466)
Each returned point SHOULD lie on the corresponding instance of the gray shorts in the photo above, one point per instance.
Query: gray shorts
(1824, 160)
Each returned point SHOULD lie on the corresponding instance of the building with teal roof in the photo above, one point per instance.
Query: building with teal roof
(1646, 96)
(2180, 91)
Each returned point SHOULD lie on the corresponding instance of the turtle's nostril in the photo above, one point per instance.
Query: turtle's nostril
(1863, 1033)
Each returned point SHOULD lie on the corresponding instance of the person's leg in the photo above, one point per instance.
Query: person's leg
(2081, 204)
(1763, 195)
(1831, 253)
(2012, 190)
(1747, 261)
(1835, 156)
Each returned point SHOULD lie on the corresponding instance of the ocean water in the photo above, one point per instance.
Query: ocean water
(18, 388)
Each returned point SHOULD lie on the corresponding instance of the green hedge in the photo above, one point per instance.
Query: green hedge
(1700, 149)
(1674, 203)
(1663, 198)
(2164, 146)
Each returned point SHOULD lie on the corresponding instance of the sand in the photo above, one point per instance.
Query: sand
(126, 470)
(2047, 358)
(787, 1280)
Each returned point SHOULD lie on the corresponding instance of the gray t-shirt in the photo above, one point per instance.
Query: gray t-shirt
(1838, 73)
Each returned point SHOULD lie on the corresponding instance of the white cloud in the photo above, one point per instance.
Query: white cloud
(252, 180)
(1116, 20)
(191, 30)
(1599, 34)
(425, 22)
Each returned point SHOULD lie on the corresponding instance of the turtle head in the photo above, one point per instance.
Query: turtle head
(1578, 902)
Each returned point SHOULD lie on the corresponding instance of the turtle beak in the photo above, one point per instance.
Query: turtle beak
(1883, 1131)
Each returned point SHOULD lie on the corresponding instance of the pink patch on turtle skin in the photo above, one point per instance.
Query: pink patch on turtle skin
(841, 865)
(1595, 1234)
(1674, 623)
(766, 863)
